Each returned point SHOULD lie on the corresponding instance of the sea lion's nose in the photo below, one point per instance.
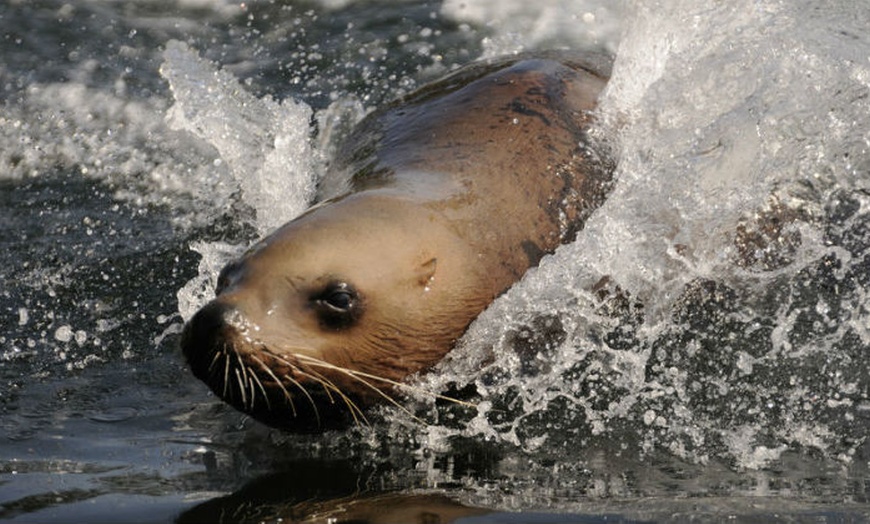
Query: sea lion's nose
(206, 332)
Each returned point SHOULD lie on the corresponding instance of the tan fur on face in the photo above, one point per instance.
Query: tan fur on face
(418, 291)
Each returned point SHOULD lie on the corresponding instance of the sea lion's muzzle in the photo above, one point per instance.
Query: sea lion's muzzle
(222, 350)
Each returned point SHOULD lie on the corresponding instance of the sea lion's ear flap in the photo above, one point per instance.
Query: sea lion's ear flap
(426, 272)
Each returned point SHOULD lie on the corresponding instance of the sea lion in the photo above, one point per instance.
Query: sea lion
(454, 192)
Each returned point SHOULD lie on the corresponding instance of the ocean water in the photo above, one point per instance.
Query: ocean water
(700, 352)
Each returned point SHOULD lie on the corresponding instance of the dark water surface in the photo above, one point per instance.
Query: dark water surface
(738, 394)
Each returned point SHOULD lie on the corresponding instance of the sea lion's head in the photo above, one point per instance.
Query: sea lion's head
(327, 314)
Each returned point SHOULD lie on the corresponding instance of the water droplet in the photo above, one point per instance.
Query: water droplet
(63, 334)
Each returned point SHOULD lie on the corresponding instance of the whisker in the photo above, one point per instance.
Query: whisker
(278, 382)
(298, 385)
(305, 392)
(329, 387)
(226, 373)
(256, 380)
(295, 382)
(385, 380)
(241, 367)
(369, 385)
(268, 371)
(355, 411)
(246, 381)
(241, 387)
(251, 389)
(214, 361)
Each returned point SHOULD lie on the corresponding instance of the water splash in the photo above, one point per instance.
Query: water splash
(264, 143)
(713, 307)
(519, 26)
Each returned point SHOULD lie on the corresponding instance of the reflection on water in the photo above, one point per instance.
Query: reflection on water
(662, 368)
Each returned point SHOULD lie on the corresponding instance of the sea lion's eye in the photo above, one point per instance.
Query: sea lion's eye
(341, 300)
(337, 305)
